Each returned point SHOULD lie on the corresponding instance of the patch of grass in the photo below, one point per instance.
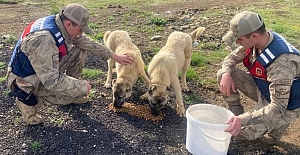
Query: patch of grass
(155, 50)
(94, 26)
(202, 64)
(98, 36)
(158, 20)
(2, 79)
(58, 121)
(5, 92)
(201, 59)
(209, 81)
(36, 145)
(92, 94)
(17, 120)
(111, 18)
(50, 110)
(215, 56)
(55, 6)
(2, 65)
(192, 74)
(192, 99)
(151, 29)
(209, 46)
(91, 73)
(198, 59)
(10, 40)
(100, 81)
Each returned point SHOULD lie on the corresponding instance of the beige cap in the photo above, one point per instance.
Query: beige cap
(79, 15)
(241, 24)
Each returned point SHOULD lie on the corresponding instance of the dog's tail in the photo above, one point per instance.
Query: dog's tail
(196, 33)
(105, 37)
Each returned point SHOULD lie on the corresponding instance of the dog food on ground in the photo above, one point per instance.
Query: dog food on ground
(141, 111)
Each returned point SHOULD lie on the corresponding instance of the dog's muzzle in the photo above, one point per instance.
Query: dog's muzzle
(118, 101)
(157, 105)
(155, 111)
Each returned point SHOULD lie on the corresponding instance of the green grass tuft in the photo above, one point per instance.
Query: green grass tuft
(91, 73)
(36, 145)
(2, 65)
(158, 20)
(2, 79)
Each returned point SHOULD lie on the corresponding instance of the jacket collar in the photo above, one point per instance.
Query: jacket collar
(62, 29)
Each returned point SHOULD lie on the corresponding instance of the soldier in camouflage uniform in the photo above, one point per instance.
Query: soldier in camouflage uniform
(272, 80)
(49, 58)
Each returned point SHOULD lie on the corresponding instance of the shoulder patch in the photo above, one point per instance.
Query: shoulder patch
(283, 88)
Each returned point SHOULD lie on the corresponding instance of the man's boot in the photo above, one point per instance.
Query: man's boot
(269, 139)
(274, 136)
(29, 113)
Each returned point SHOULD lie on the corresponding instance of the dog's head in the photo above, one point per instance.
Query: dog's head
(121, 91)
(158, 97)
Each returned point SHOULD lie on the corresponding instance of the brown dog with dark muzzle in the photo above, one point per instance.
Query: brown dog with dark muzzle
(127, 75)
(164, 68)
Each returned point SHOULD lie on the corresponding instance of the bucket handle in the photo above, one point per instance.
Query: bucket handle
(210, 136)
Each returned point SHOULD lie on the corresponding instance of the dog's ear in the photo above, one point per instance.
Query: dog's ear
(196, 33)
(151, 89)
(105, 37)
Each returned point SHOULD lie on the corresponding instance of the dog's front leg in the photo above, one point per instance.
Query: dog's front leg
(185, 68)
(110, 63)
(144, 96)
(179, 101)
(142, 73)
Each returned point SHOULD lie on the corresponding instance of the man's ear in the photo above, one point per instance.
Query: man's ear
(67, 23)
(255, 35)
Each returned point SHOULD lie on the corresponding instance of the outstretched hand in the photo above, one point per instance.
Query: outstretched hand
(123, 59)
(235, 125)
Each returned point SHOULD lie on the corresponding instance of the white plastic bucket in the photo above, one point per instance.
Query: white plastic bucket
(205, 129)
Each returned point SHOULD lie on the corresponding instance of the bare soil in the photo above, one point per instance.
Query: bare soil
(91, 128)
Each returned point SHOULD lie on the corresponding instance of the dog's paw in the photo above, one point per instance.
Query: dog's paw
(185, 89)
(106, 85)
(181, 111)
(144, 96)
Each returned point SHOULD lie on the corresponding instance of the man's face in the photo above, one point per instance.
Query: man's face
(73, 30)
(245, 41)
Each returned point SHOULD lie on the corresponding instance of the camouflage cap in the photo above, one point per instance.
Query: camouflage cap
(79, 15)
(241, 24)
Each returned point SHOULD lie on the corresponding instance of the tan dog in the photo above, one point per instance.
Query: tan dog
(164, 68)
(127, 75)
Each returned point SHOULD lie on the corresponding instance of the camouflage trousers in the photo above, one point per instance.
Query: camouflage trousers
(245, 83)
(72, 65)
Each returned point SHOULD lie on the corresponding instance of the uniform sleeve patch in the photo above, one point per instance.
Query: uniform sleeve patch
(283, 89)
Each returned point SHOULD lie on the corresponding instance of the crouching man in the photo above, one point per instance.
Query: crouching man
(272, 80)
(48, 60)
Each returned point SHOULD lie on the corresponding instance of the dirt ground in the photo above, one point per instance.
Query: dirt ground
(93, 129)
